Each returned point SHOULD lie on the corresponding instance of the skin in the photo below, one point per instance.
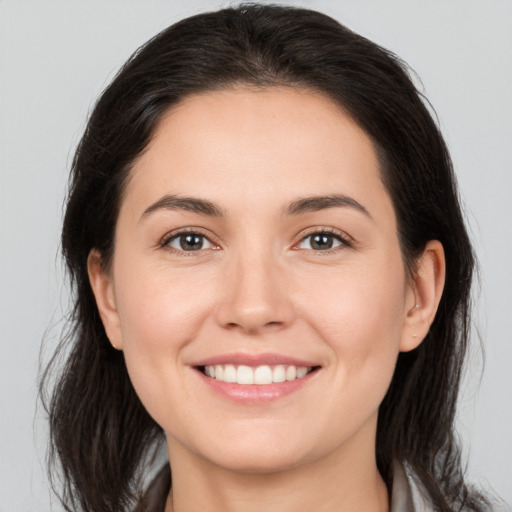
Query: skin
(257, 286)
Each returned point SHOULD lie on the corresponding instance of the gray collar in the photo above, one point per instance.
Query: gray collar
(406, 494)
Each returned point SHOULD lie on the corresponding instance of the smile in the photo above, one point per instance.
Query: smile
(259, 375)
(255, 378)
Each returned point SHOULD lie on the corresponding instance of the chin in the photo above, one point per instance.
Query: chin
(259, 462)
(254, 454)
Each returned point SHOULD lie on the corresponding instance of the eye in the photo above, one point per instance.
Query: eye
(189, 242)
(322, 241)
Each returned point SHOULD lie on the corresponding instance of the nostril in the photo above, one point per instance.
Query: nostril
(259, 314)
(254, 328)
(273, 325)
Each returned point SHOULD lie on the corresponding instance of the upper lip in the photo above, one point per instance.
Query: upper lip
(254, 360)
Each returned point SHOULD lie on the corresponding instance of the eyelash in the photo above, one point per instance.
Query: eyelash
(343, 239)
(170, 237)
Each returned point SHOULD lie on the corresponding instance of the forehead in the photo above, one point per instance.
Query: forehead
(241, 143)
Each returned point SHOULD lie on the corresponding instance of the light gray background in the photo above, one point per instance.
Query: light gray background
(56, 56)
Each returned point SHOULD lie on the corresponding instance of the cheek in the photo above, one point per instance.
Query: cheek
(359, 309)
(160, 315)
(359, 314)
(158, 310)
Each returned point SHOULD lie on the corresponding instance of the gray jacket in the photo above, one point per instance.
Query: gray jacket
(406, 497)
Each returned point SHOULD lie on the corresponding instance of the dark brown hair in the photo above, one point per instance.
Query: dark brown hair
(100, 432)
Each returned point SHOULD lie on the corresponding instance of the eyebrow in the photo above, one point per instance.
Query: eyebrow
(190, 204)
(297, 207)
(318, 203)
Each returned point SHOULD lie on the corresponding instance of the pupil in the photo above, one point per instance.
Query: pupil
(320, 242)
(191, 242)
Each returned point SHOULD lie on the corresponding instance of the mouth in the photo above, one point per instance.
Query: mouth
(255, 378)
(263, 375)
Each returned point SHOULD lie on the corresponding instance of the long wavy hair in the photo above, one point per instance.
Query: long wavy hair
(101, 435)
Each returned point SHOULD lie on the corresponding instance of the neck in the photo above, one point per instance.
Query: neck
(340, 481)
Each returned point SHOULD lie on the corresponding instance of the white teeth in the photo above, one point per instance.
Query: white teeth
(291, 373)
(244, 375)
(229, 373)
(301, 372)
(259, 375)
(279, 374)
(263, 375)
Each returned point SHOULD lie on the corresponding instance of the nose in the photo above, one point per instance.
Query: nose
(256, 297)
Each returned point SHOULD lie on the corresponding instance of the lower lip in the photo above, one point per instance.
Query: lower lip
(255, 393)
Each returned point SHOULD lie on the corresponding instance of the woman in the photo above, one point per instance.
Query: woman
(272, 274)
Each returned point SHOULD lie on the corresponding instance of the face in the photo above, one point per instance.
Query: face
(256, 242)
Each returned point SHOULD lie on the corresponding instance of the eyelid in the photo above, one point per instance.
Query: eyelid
(346, 240)
(175, 233)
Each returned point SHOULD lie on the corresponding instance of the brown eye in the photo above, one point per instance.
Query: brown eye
(321, 242)
(189, 242)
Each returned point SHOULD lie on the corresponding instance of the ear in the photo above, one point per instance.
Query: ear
(103, 289)
(423, 296)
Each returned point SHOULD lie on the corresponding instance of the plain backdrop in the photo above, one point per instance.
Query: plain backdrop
(56, 57)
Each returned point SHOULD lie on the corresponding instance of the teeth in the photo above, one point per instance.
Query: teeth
(244, 375)
(229, 373)
(301, 372)
(291, 373)
(259, 375)
(279, 374)
(263, 375)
